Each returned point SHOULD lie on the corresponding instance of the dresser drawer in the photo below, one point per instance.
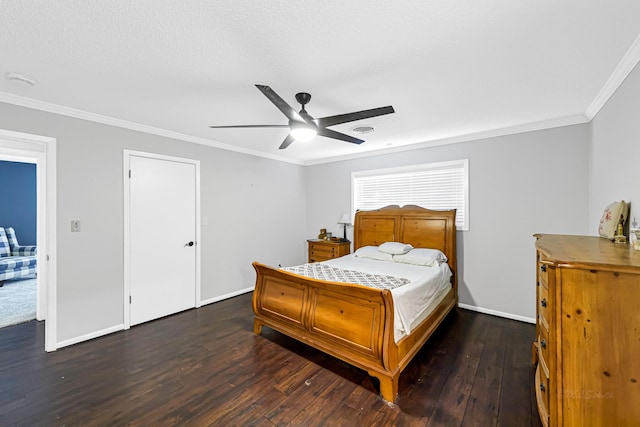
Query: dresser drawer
(543, 305)
(543, 274)
(543, 344)
(542, 395)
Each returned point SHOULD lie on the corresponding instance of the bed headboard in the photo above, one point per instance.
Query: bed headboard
(420, 227)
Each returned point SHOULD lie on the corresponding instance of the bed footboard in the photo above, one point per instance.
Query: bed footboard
(351, 322)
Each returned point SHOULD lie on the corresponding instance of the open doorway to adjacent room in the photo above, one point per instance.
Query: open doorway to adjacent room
(18, 147)
(18, 241)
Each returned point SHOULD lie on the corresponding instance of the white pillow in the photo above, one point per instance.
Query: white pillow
(421, 256)
(395, 248)
(372, 252)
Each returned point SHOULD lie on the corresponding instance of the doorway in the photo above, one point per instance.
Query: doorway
(17, 146)
(162, 255)
(18, 287)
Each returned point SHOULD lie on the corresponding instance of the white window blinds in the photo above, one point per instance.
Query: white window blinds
(433, 186)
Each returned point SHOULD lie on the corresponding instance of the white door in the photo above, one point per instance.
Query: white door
(162, 251)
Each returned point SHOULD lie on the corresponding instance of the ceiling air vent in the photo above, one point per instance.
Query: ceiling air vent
(363, 129)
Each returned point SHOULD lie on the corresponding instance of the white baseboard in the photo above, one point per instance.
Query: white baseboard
(226, 296)
(90, 336)
(120, 327)
(497, 313)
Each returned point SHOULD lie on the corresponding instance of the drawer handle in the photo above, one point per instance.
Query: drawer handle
(543, 302)
(543, 343)
(542, 388)
(543, 268)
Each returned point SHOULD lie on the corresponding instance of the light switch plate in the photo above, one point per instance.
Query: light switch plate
(75, 225)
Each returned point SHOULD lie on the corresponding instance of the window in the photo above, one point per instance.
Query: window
(436, 186)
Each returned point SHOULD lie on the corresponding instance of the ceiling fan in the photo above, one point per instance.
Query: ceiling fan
(304, 127)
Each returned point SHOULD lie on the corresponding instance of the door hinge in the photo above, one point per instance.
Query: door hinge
(129, 173)
(129, 299)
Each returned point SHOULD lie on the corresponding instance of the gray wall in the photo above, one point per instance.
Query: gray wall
(615, 171)
(522, 184)
(255, 209)
(552, 181)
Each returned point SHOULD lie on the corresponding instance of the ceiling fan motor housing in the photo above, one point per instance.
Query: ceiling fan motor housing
(303, 98)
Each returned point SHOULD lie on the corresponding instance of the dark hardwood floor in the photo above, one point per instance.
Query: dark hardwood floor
(206, 367)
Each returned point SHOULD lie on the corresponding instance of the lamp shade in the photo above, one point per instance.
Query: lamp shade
(344, 219)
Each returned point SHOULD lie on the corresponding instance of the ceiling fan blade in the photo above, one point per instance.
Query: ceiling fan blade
(286, 109)
(249, 126)
(287, 142)
(358, 115)
(329, 133)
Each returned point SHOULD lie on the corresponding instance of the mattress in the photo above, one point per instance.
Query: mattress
(412, 302)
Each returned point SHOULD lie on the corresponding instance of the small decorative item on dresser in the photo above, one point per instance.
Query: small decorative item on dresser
(619, 237)
(634, 238)
(323, 234)
(614, 215)
(634, 235)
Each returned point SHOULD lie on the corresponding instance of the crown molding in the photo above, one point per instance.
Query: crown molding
(22, 101)
(475, 136)
(625, 66)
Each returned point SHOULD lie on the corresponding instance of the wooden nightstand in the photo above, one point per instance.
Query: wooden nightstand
(322, 250)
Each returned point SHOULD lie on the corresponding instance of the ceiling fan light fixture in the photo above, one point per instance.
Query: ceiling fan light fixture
(303, 133)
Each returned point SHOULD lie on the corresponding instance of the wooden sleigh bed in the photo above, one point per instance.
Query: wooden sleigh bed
(352, 322)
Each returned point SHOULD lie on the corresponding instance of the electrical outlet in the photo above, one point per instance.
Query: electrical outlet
(75, 225)
(205, 221)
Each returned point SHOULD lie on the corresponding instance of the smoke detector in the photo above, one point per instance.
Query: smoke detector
(20, 78)
(360, 129)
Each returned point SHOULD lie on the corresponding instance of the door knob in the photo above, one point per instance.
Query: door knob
(189, 244)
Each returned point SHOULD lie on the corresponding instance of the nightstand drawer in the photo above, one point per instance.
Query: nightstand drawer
(321, 254)
(322, 250)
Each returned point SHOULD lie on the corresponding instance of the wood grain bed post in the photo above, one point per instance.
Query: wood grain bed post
(388, 386)
(390, 376)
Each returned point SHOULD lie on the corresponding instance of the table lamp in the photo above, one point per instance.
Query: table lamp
(345, 221)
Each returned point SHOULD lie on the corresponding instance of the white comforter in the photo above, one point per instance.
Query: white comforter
(412, 302)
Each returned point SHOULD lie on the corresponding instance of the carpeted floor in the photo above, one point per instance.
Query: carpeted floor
(17, 301)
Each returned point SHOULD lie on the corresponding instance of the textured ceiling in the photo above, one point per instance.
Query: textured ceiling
(452, 70)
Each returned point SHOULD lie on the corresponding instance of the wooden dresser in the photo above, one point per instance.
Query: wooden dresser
(322, 250)
(587, 351)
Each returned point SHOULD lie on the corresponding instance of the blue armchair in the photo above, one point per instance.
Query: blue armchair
(15, 261)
